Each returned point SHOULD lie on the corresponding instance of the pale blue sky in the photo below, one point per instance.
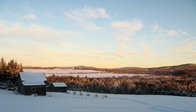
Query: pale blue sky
(102, 33)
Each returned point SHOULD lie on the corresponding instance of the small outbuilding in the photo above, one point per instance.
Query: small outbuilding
(57, 87)
(32, 83)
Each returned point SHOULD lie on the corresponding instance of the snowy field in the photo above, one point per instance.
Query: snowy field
(81, 73)
(62, 102)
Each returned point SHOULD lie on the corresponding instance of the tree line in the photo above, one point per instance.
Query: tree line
(9, 70)
(130, 85)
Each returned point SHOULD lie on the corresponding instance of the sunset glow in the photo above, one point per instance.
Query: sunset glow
(100, 33)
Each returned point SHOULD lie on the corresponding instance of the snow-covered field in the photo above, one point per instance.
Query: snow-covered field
(81, 73)
(62, 102)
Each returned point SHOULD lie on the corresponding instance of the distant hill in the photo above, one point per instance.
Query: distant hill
(178, 70)
(184, 69)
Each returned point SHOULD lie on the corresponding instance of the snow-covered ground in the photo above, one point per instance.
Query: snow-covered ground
(81, 73)
(62, 102)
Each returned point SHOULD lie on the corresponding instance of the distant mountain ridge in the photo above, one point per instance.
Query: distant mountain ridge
(184, 69)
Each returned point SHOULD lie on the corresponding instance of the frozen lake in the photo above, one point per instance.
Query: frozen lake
(81, 73)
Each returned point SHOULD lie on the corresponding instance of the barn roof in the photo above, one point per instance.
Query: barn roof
(32, 78)
(59, 84)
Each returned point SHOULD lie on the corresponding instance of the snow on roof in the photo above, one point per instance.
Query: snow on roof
(32, 78)
(59, 84)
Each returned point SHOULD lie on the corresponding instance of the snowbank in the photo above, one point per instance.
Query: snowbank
(94, 102)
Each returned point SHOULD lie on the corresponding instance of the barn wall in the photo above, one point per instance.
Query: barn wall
(39, 90)
(61, 89)
(51, 88)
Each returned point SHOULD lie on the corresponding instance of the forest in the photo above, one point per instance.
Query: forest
(9, 73)
(161, 85)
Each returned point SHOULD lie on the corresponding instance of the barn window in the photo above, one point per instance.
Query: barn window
(33, 89)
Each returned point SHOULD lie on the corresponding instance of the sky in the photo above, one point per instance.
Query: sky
(100, 33)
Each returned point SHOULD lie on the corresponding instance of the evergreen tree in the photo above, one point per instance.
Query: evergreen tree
(3, 66)
(20, 67)
(13, 68)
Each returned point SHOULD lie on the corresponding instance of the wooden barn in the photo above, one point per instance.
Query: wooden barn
(57, 87)
(32, 83)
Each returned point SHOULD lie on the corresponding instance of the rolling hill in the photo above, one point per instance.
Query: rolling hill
(177, 70)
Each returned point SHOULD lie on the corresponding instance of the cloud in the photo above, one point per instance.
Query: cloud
(156, 28)
(84, 16)
(116, 54)
(186, 48)
(30, 16)
(33, 31)
(125, 29)
(91, 26)
(142, 54)
(133, 25)
(86, 13)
